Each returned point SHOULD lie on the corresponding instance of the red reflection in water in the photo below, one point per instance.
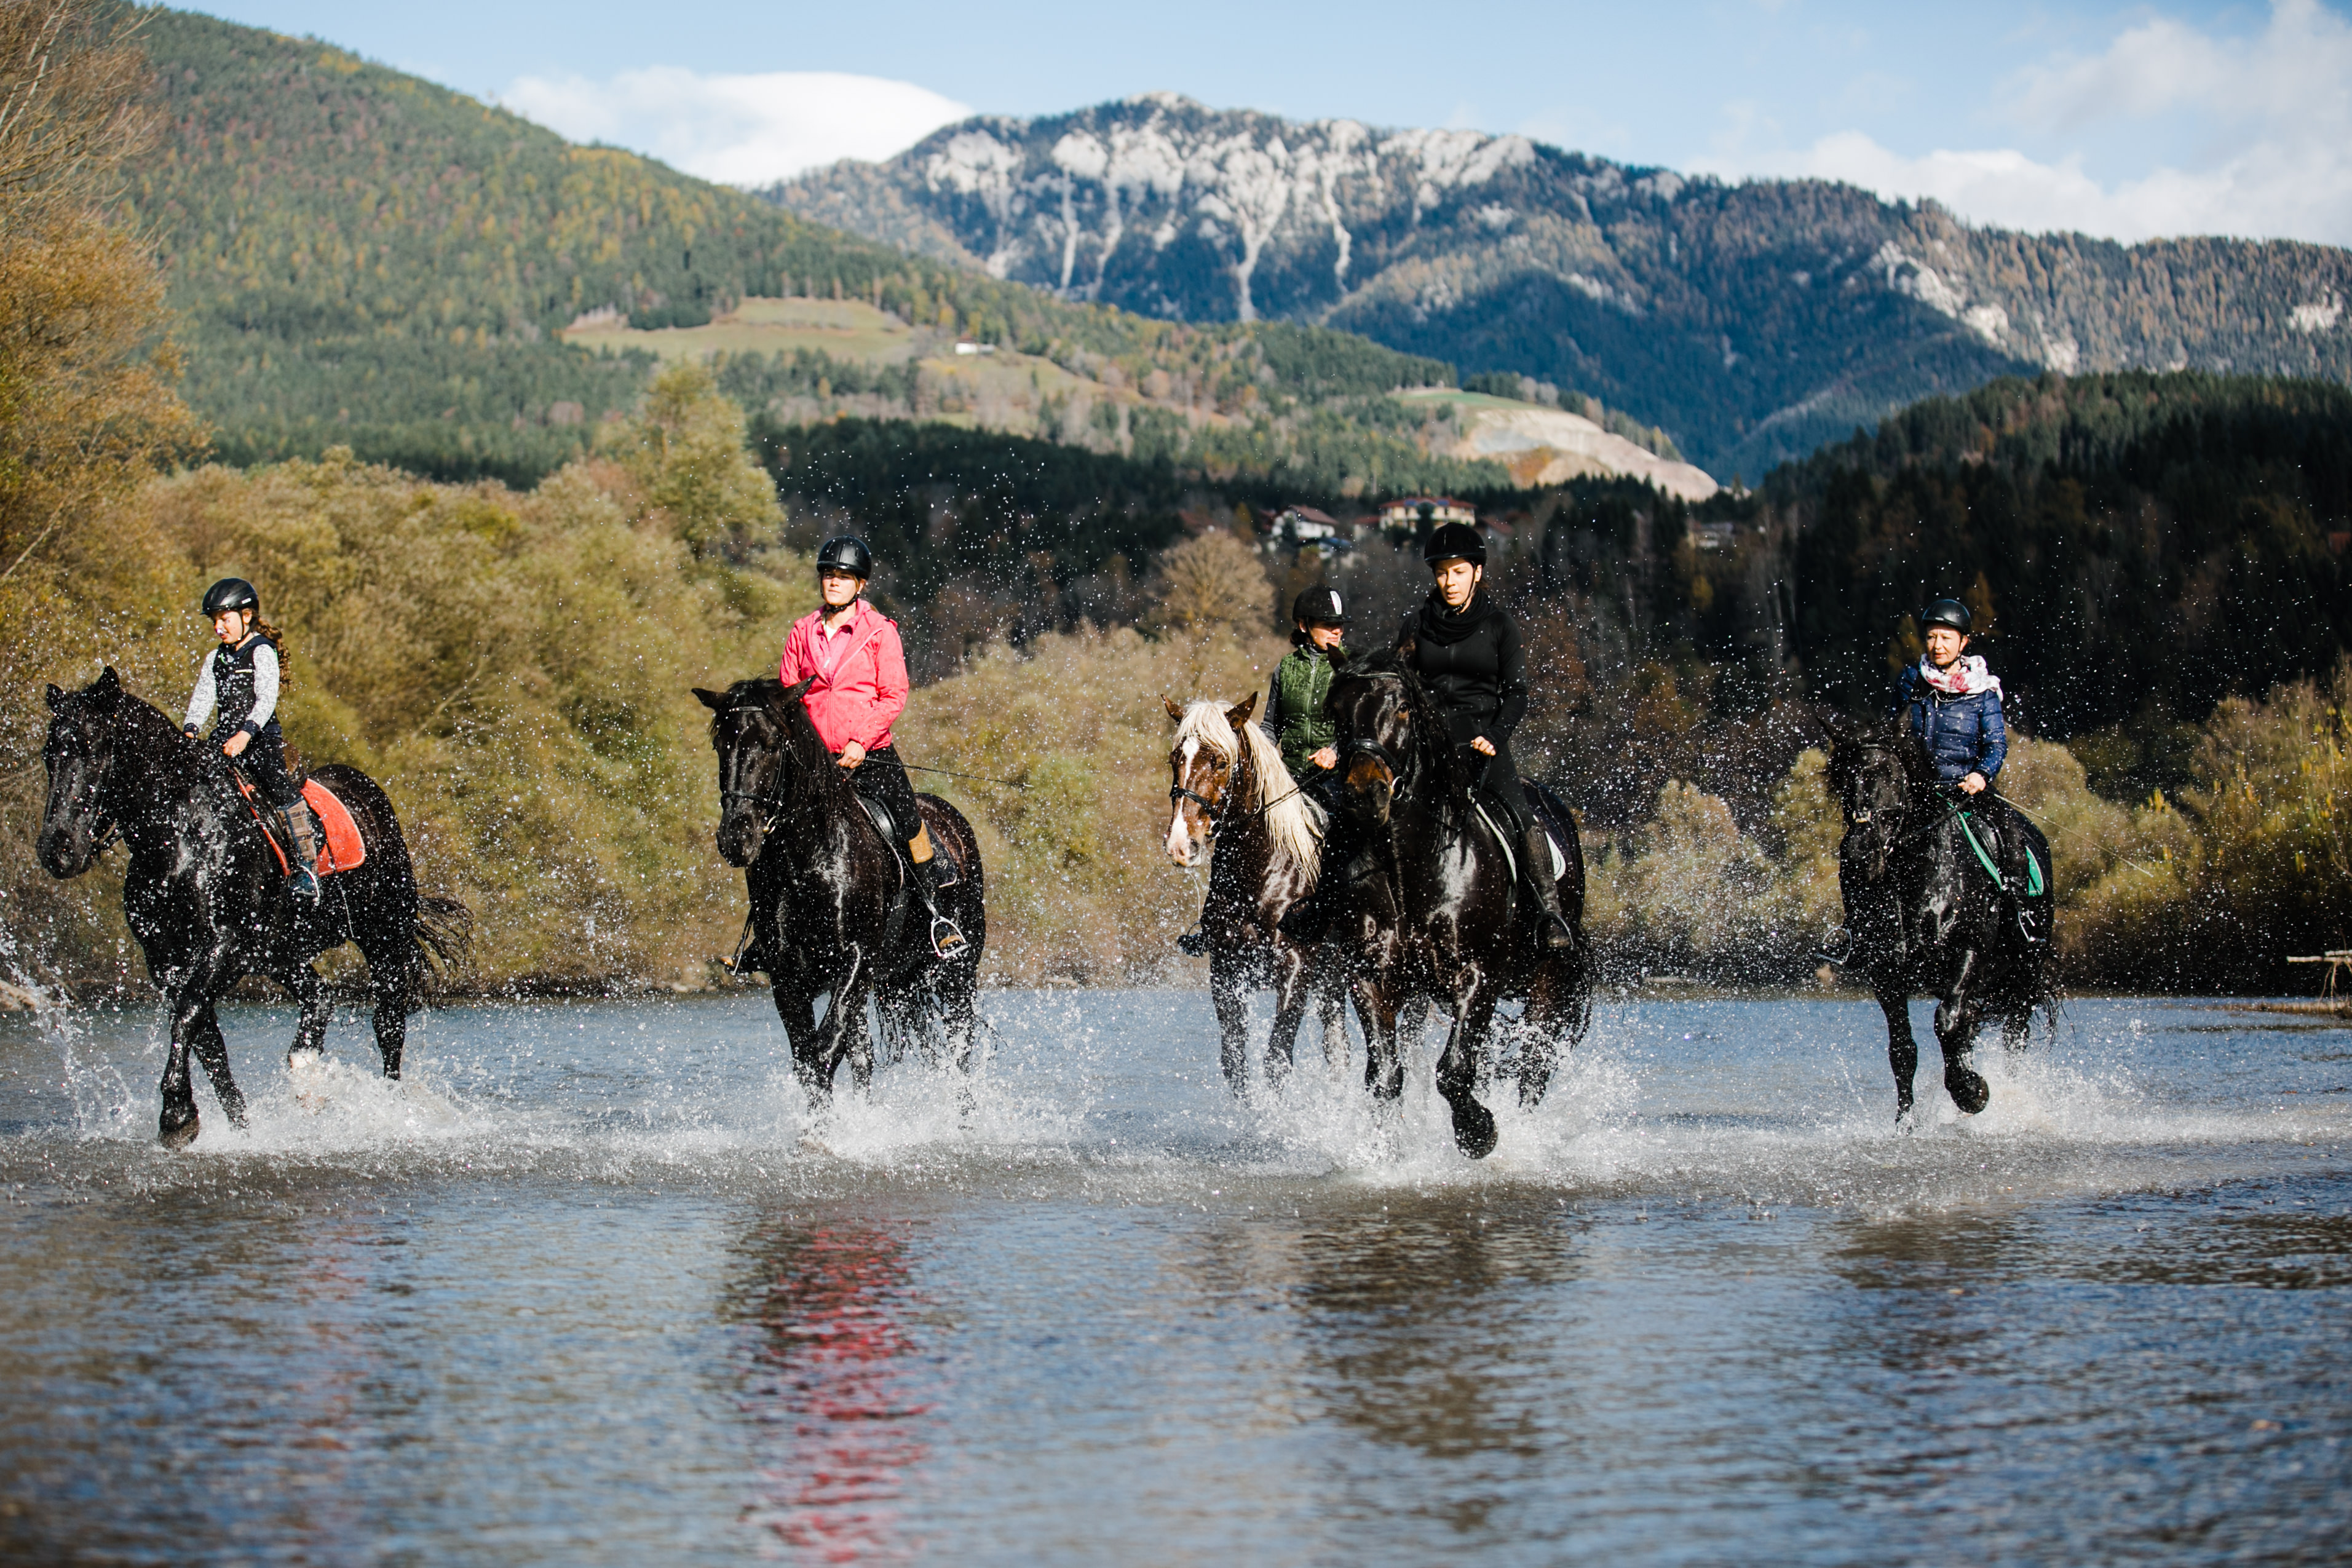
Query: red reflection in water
(829, 1384)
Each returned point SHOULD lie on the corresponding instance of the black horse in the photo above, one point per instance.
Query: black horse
(1944, 895)
(205, 894)
(1456, 927)
(1229, 787)
(830, 910)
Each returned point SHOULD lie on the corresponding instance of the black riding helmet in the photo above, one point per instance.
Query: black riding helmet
(1947, 612)
(1319, 607)
(1455, 542)
(846, 552)
(231, 593)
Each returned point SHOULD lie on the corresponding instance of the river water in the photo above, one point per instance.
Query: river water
(593, 1286)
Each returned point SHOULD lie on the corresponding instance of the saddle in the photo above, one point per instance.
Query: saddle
(1503, 823)
(945, 872)
(341, 847)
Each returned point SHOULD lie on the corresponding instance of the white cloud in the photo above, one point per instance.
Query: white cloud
(741, 130)
(2274, 110)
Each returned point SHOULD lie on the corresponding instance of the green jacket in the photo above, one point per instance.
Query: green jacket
(1294, 707)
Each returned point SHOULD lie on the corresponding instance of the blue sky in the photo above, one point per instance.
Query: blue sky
(2130, 121)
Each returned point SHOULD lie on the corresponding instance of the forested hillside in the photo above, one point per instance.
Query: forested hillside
(361, 258)
(1752, 321)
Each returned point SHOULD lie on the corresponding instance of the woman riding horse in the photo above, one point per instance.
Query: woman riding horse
(236, 687)
(850, 655)
(1945, 887)
(1296, 697)
(1952, 702)
(1466, 647)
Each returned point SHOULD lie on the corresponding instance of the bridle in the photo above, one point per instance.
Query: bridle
(1399, 790)
(105, 831)
(765, 803)
(1216, 811)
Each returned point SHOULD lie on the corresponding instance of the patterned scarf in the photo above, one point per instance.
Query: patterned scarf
(1966, 676)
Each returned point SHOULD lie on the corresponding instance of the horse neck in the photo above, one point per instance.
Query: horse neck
(815, 786)
(150, 776)
(1250, 840)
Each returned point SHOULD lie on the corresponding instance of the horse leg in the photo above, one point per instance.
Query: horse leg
(1383, 1063)
(1290, 996)
(857, 1042)
(796, 1010)
(191, 1012)
(1902, 1051)
(1332, 1003)
(845, 1010)
(1232, 1003)
(958, 990)
(204, 1040)
(1955, 1031)
(310, 994)
(1551, 1007)
(1457, 1069)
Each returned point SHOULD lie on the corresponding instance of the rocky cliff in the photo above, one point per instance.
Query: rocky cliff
(1751, 322)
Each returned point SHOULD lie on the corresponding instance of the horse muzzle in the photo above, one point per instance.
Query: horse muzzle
(1372, 787)
(1188, 837)
(741, 834)
(65, 850)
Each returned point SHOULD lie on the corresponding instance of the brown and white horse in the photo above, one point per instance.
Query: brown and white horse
(1233, 800)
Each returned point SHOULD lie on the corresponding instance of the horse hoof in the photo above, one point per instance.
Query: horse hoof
(1473, 1129)
(176, 1134)
(1968, 1091)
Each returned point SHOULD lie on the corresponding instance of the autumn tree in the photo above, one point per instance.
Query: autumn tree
(86, 404)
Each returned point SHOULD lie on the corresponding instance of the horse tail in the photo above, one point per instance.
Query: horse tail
(444, 938)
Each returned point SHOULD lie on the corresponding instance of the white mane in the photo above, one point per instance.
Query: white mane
(1294, 822)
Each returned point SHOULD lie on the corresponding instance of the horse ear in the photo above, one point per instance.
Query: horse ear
(797, 690)
(710, 699)
(54, 697)
(108, 682)
(1170, 703)
(1238, 717)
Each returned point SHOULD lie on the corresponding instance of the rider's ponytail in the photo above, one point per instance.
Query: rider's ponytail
(277, 639)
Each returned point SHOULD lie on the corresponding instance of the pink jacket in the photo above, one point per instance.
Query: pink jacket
(861, 676)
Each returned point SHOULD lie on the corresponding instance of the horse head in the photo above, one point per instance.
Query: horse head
(79, 757)
(1204, 769)
(751, 731)
(1871, 773)
(1383, 724)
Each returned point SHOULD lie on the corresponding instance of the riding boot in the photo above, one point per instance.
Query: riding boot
(302, 854)
(947, 937)
(1536, 845)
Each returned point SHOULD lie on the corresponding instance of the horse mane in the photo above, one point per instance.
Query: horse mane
(813, 778)
(1293, 821)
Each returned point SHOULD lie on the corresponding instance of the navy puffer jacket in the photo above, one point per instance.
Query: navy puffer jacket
(1964, 734)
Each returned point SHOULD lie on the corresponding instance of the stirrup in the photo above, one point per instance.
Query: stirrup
(946, 938)
(302, 885)
(1556, 933)
(1837, 947)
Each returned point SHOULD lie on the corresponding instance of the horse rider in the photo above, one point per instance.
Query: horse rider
(850, 655)
(1466, 647)
(237, 687)
(1952, 702)
(1310, 743)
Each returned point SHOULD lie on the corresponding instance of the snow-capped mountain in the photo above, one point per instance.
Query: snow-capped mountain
(1750, 321)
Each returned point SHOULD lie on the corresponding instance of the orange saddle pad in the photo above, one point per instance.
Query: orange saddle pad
(343, 848)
